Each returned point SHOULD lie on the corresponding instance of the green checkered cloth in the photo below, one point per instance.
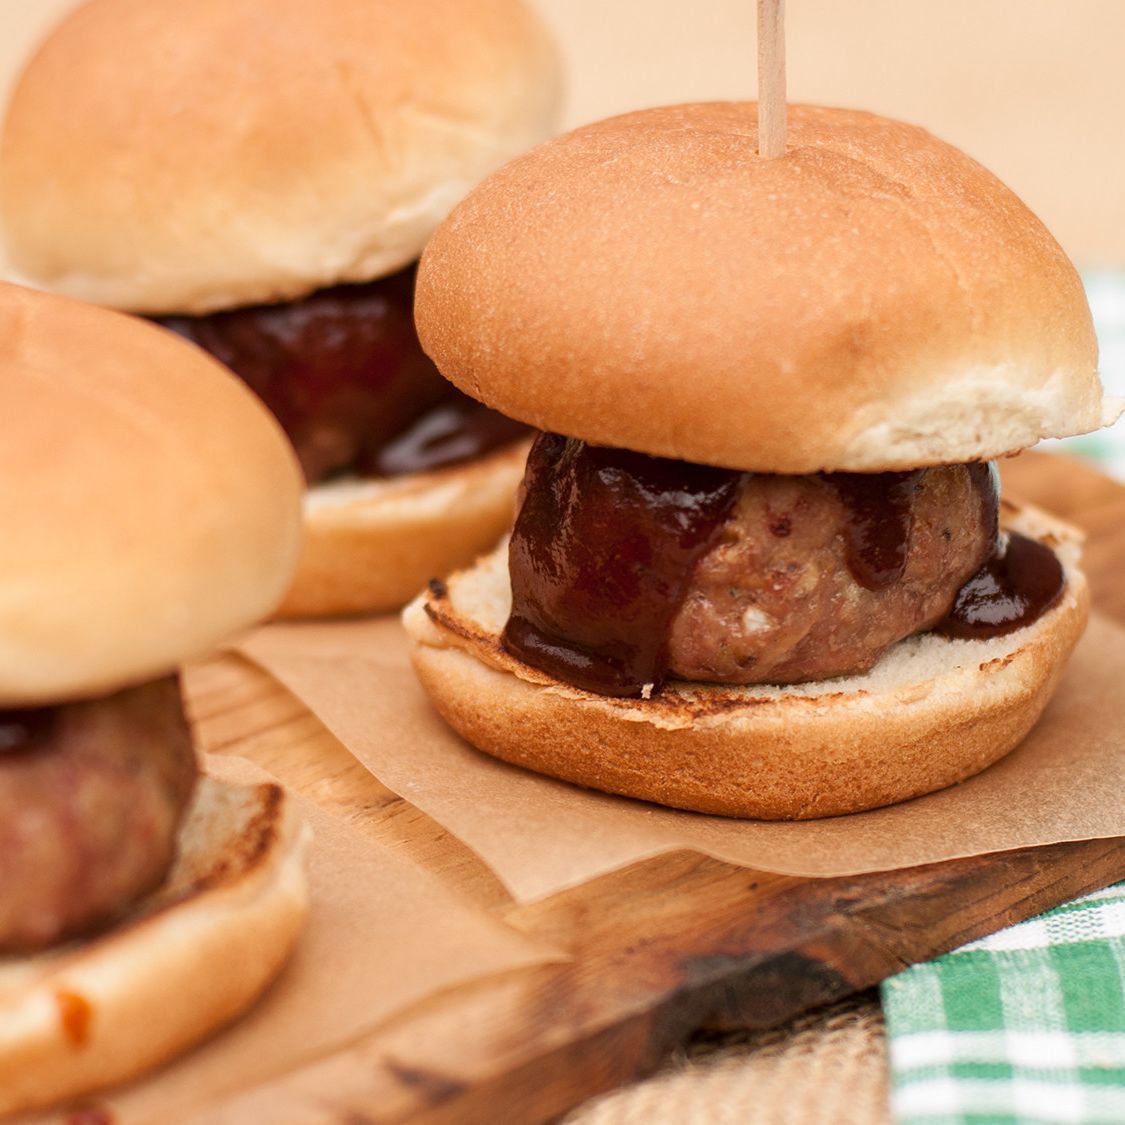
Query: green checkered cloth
(1025, 1026)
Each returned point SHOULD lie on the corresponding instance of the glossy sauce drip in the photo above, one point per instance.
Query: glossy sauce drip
(26, 730)
(879, 516)
(75, 1016)
(458, 429)
(601, 555)
(343, 372)
(1010, 591)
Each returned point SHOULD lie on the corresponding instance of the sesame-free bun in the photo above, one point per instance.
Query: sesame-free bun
(203, 154)
(150, 506)
(370, 545)
(97, 1013)
(871, 300)
(932, 712)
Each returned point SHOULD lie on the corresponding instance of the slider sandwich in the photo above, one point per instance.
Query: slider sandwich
(150, 507)
(261, 177)
(760, 566)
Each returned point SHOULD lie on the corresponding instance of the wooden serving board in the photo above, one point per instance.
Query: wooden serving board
(659, 950)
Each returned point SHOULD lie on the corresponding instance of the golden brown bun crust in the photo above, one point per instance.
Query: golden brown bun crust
(872, 300)
(372, 545)
(930, 714)
(208, 153)
(220, 931)
(151, 505)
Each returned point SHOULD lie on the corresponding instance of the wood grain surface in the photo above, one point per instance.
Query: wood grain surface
(660, 949)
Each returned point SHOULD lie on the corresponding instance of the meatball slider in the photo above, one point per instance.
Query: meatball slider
(758, 568)
(263, 178)
(150, 507)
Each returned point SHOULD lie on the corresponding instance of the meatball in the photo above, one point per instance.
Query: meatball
(91, 797)
(778, 596)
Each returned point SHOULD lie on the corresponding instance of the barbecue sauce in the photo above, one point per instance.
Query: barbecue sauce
(879, 511)
(89, 1115)
(75, 1016)
(1013, 589)
(344, 374)
(455, 430)
(879, 517)
(25, 730)
(1017, 584)
(606, 542)
(602, 552)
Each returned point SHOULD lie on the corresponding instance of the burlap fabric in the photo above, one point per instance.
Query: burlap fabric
(828, 1067)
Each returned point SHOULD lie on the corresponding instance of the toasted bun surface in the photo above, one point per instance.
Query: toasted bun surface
(150, 504)
(209, 153)
(81, 1018)
(932, 712)
(871, 300)
(371, 545)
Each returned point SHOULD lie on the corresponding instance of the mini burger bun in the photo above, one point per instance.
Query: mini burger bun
(151, 504)
(205, 154)
(371, 545)
(81, 1018)
(872, 300)
(932, 712)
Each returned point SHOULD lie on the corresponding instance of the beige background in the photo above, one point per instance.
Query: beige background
(1033, 88)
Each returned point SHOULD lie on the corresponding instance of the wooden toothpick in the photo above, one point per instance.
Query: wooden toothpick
(771, 78)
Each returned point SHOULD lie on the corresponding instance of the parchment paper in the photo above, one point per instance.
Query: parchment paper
(382, 934)
(1066, 782)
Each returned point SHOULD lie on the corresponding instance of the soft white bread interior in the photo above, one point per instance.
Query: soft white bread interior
(209, 153)
(932, 712)
(874, 299)
(371, 545)
(150, 504)
(97, 1013)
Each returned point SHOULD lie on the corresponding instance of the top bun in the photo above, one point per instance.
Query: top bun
(871, 300)
(150, 504)
(204, 154)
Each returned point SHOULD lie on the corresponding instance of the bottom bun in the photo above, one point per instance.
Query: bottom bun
(932, 712)
(371, 545)
(94, 1014)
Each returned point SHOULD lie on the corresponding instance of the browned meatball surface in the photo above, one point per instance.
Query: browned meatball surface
(91, 797)
(776, 598)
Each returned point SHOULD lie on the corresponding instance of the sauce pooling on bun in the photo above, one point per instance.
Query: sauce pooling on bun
(1013, 589)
